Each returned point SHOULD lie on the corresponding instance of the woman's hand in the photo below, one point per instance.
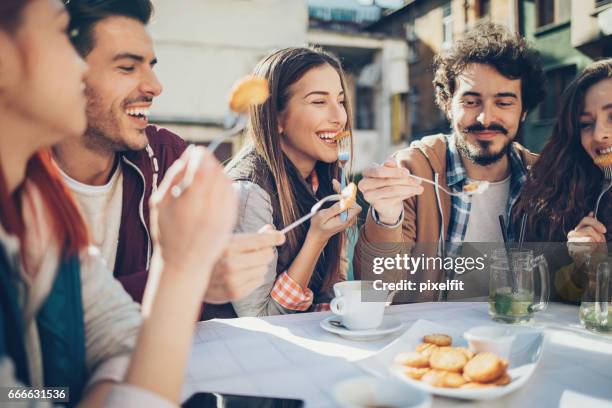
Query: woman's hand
(192, 230)
(326, 223)
(587, 238)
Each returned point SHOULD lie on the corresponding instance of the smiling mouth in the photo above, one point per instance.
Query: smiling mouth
(601, 152)
(140, 114)
(328, 137)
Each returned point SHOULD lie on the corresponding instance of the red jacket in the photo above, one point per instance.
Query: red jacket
(135, 246)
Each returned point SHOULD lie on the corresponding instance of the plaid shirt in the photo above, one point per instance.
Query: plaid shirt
(456, 177)
(287, 292)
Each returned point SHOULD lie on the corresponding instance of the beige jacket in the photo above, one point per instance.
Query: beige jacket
(422, 218)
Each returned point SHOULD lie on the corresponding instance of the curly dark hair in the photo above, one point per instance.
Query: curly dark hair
(492, 44)
(564, 183)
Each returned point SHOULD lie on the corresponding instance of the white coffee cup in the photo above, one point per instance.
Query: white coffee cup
(361, 306)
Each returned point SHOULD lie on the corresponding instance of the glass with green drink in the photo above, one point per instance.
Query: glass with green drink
(596, 305)
(511, 285)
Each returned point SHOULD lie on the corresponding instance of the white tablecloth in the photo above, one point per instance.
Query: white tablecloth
(291, 356)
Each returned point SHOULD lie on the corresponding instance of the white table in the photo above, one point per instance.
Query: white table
(292, 357)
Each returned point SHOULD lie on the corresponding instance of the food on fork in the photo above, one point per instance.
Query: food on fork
(341, 135)
(250, 90)
(349, 196)
(475, 187)
(439, 339)
(452, 367)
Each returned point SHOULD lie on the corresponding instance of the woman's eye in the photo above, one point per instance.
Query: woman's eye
(585, 125)
(127, 69)
(469, 103)
(318, 102)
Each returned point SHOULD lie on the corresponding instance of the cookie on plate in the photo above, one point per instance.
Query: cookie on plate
(448, 359)
(439, 339)
(484, 367)
(412, 359)
(415, 373)
(426, 349)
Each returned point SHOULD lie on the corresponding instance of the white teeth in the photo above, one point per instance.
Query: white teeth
(326, 135)
(606, 151)
(138, 112)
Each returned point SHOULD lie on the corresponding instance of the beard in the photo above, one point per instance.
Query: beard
(481, 152)
(104, 131)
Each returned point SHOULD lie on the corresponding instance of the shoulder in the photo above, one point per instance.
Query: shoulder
(254, 206)
(424, 154)
(527, 156)
(251, 194)
(165, 143)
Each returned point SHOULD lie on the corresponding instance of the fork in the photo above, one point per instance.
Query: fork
(606, 186)
(461, 195)
(313, 211)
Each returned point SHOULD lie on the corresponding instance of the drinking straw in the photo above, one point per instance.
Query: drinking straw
(504, 231)
(522, 234)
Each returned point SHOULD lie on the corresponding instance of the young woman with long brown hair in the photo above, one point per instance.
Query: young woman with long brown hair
(288, 164)
(560, 196)
(64, 320)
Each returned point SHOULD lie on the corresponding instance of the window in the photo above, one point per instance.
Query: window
(364, 108)
(447, 26)
(484, 8)
(556, 81)
(552, 11)
(399, 125)
(411, 42)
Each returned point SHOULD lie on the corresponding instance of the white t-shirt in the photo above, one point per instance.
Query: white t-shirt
(483, 224)
(101, 208)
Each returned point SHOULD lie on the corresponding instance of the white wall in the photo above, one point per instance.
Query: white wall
(204, 46)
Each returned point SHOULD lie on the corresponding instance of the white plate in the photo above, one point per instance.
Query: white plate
(379, 392)
(524, 357)
(390, 324)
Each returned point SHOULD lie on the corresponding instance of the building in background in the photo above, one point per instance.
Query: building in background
(386, 46)
(205, 46)
(377, 74)
(429, 27)
(569, 34)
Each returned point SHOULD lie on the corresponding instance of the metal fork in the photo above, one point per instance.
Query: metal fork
(606, 186)
(462, 194)
(313, 211)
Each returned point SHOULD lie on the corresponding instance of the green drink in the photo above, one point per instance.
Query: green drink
(589, 318)
(509, 307)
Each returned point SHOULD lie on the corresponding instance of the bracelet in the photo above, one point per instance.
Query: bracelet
(382, 224)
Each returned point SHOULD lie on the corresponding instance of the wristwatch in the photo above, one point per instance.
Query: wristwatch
(382, 224)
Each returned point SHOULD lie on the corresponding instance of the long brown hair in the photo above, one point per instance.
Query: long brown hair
(68, 226)
(282, 69)
(564, 183)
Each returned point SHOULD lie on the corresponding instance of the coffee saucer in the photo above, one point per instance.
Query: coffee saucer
(390, 324)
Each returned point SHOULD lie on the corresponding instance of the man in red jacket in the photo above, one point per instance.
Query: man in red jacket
(118, 163)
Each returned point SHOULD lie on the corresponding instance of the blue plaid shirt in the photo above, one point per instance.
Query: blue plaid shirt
(456, 177)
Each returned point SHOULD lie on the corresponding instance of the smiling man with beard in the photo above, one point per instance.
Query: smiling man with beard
(117, 164)
(486, 84)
